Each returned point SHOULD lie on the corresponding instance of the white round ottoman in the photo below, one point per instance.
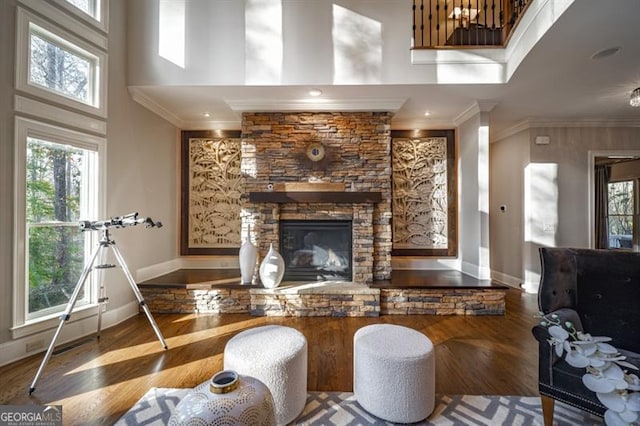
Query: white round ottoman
(277, 356)
(394, 372)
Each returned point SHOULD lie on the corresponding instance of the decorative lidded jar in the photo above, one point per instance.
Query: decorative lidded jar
(228, 398)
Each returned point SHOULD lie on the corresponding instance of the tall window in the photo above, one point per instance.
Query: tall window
(61, 84)
(623, 214)
(58, 178)
(57, 184)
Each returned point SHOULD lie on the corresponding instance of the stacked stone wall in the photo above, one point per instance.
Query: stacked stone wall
(315, 305)
(357, 154)
(362, 302)
(182, 300)
(442, 302)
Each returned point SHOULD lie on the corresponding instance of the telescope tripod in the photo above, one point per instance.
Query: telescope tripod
(104, 243)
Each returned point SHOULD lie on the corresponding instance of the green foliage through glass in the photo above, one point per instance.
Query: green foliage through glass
(55, 242)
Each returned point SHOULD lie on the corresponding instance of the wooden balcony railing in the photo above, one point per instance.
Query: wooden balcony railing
(457, 23)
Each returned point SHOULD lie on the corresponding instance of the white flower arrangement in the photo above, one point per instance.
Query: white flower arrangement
(606, 373)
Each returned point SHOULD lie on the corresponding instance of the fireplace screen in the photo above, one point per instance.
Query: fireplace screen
(316, 250)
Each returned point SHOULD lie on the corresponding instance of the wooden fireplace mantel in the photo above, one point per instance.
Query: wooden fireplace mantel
(315, 197)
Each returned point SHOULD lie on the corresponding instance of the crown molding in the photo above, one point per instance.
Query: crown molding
(423, 124)
(212, 125)
(587, 122)
(475, 108)
(138, 96)
(557, 123)
(510, 131)
(364, 104)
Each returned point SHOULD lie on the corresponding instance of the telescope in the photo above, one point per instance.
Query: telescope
(130, 219)
(105, 242)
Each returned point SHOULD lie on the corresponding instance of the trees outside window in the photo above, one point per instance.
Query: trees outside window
(59, 69)
(54, 203)
(623, 214)
(59, 157)
(57, 184)
(55, 173)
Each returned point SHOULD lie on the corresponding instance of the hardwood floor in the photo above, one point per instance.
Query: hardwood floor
(97, 381)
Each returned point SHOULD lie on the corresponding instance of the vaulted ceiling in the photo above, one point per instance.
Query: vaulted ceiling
(559, 81)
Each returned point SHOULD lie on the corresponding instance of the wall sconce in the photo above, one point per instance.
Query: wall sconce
(634, 100)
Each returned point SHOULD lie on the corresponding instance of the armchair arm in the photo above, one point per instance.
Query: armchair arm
(564, 315)
(546, 355)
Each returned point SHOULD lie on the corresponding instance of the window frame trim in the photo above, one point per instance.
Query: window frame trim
(74, 19)
(25, 20)
(592, 155)
(100, 22)
(635, 215)
(25, 128)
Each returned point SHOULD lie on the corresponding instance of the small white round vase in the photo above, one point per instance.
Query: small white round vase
(227, 399)
(272, 269)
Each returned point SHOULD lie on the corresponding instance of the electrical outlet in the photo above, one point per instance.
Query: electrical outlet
(35, 345)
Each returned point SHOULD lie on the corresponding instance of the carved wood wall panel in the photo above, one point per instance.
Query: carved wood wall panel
(420, 193)
(423, 199)
(212, 191)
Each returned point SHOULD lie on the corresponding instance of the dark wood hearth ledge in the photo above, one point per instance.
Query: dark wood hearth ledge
(192, 279)
(219, 291)
(435, 279)
(315, 197)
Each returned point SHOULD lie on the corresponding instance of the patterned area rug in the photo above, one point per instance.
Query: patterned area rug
(341, 409)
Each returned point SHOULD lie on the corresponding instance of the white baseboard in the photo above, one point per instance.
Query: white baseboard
(16, 349)
(531, 281)
(156, 270)
(213, 262)
(505, 279)
(476, 271)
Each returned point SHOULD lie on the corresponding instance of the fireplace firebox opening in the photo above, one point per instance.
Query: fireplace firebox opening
(316, 250)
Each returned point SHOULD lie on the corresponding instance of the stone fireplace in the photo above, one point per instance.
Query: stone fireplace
(357, 159)
(332, 168)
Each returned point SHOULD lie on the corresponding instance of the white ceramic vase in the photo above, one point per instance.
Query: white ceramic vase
(227, 399)
(248, 257)
(272, 269)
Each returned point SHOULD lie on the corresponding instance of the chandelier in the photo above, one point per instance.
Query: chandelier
(634, 100)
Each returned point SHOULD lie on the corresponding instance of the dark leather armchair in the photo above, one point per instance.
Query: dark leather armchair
(599, 292)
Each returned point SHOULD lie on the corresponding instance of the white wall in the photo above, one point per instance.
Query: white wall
(508, 159)
(473, 173)
(300, 44)
(562, 170)
(142, 162)
(7, 47)
(141, 176)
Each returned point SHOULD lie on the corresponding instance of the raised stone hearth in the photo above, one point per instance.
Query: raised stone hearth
(337, 299)
(318, 299)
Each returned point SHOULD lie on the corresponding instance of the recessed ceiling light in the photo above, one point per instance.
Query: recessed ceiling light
(206, 114)
(315, 92)
(605, 53)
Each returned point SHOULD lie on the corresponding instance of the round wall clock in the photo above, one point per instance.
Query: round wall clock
(315, 151)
